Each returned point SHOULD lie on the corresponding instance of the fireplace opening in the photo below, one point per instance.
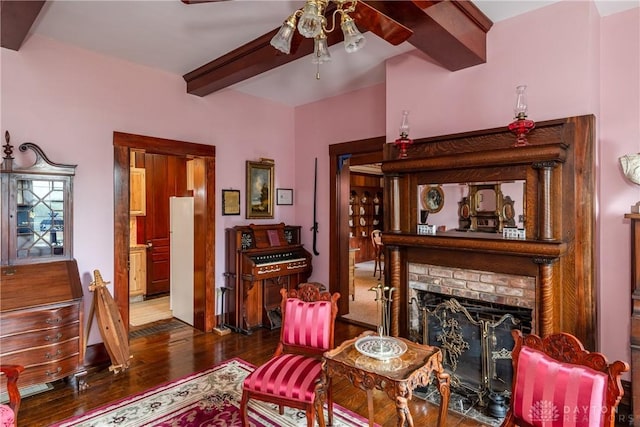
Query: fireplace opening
(476, 342)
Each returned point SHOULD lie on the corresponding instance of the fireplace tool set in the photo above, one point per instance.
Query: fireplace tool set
(382, 346)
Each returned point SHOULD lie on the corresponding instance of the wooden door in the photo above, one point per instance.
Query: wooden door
(165, 177)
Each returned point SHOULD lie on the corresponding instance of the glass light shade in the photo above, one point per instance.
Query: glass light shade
(353, 38)
(321, 50)
(282, 40)
(310, 23)
(520, 109)
(404, 124)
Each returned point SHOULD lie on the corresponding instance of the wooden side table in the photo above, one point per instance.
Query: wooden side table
(397, 377)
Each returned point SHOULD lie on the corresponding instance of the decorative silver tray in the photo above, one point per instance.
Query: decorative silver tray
(381, 348)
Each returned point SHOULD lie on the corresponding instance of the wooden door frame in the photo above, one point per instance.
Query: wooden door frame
(361, 152)
(204, 220)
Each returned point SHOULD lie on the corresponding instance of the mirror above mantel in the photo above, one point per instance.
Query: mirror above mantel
(485, 207)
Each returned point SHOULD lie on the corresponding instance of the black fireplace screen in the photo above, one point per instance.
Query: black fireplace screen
(475, 338)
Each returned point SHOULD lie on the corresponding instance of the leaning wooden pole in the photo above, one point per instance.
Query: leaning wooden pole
(112, 328)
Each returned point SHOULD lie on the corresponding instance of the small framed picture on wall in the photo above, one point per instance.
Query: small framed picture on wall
(230, 202)
(284, 196)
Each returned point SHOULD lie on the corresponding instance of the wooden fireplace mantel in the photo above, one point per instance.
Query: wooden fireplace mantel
(635, 312)
(557, 169)
(480, 243)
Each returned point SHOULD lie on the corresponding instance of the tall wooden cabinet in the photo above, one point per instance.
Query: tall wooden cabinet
(635, 314)
(365, 214)
(41, 303)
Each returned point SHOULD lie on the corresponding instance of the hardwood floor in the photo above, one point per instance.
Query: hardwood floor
(168, 355)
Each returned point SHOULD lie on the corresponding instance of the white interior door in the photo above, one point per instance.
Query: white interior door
(181, 238)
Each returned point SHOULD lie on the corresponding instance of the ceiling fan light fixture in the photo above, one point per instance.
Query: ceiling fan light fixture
(321, 50)
(312, 19)
(353, 38)
(282, 40)
(311, 23)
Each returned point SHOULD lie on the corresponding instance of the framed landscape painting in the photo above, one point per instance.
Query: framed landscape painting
(260, 189)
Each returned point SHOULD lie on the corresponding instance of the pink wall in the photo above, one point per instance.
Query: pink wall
(70, 101)
(619, 135)
(357, 115)
(544, 49)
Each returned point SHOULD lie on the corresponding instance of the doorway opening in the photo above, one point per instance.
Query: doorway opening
(202, 181)
(161, 264)
(343, 156)
(366, 222)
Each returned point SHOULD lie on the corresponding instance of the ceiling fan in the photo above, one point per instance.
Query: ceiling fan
(452, 33)
(312, 22)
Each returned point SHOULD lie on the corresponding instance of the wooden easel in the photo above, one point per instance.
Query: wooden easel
(111, 325)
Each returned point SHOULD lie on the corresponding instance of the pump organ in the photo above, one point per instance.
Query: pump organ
(261, 259)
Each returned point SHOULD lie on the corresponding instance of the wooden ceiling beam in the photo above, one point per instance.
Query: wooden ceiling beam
(451, 32)
(16, 19)
(249, 60)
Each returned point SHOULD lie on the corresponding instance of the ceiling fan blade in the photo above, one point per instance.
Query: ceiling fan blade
(371, 19)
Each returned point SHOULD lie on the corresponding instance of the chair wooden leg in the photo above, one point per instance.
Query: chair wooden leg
(311, 415)
(281, 409)
(320, 412)
(244, 415)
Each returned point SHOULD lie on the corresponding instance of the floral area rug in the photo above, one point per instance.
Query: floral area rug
(208, 398)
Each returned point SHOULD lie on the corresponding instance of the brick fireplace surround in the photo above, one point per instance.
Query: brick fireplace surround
(507, 289)
(483, 286)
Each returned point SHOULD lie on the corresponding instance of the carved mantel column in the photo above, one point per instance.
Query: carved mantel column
(546, 201)
(394, 202)
(394, 281)
(546, 295)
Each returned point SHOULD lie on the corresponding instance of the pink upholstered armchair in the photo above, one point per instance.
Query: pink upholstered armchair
(556, 382)
(9, 413)
(291, 376)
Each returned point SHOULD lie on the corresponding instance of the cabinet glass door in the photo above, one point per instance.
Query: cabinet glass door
(36, 218)
(40, 217)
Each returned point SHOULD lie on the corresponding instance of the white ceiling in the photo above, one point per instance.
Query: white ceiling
(172, 36)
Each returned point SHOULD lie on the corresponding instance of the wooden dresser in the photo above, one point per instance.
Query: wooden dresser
(635, 314)
(41, 321)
